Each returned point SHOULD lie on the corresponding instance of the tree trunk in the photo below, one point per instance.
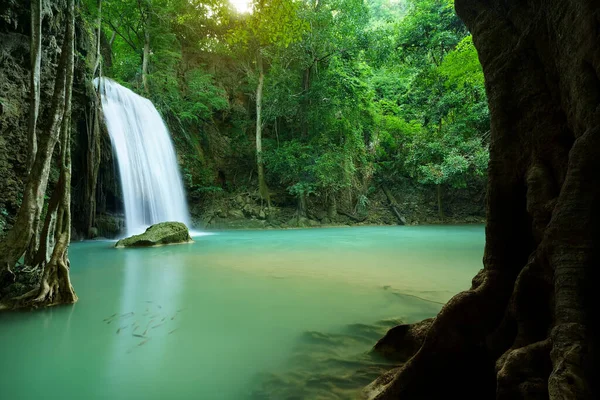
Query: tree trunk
(301, 211)
(305, 102)
(145, 58)
(98, 38)
(94, 151)
(54, 286)
(439, 202)
(526, 328)
(94, 154)
(27, 219)
(331, 206)
(36, 61)
(262, 184)
(393, 205)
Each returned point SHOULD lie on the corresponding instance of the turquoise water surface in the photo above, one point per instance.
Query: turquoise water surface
(235, 315)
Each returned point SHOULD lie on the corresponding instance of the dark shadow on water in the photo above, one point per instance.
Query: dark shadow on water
(328, 365)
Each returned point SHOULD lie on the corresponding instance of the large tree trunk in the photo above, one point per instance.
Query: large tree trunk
(36, 61)
(525, 329)
(50, 256)
(262, 184)
(28, 217)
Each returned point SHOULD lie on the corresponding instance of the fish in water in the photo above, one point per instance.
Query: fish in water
(172, 331)
(121, 328)
(127, 315)
(159, 306)
(143, 342)
(181, 309)
(136, 328)
(147, 326)
(156, 326)
(111, 317)
(136, 335)
(162, 320)
(173, 317)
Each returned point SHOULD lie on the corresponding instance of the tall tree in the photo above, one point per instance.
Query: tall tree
(272, 24)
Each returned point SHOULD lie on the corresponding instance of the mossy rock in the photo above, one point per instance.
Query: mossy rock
(158, 235)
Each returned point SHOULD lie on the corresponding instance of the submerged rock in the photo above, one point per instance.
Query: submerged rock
(158, 235)
(403, 341)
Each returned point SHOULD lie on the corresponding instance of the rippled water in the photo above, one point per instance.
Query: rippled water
(236, 315)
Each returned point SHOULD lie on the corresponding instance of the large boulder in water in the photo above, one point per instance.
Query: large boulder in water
(158, 235)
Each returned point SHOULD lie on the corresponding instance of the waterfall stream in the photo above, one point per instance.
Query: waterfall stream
(152, 186)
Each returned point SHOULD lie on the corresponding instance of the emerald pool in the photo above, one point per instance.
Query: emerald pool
(236, 315)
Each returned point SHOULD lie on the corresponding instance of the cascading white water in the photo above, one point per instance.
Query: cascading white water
(152, 186)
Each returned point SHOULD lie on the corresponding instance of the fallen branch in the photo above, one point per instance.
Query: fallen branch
(393, 205)
(352, 217)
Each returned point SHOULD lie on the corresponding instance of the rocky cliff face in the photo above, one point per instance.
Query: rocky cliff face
(14, 83)
(14, 102)
(526, 329)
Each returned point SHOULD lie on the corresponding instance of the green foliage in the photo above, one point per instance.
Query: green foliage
(356, 93)
(271, 23)
(461, 67)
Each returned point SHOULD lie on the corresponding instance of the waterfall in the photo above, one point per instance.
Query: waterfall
(152, 186)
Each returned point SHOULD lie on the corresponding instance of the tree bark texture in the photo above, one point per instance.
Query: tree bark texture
(525, 329)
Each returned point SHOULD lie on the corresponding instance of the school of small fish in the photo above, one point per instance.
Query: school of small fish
(154, 317)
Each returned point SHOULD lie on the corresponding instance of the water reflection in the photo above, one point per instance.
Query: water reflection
(148, 312)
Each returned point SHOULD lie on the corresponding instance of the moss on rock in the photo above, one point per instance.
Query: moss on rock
(158, 235)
